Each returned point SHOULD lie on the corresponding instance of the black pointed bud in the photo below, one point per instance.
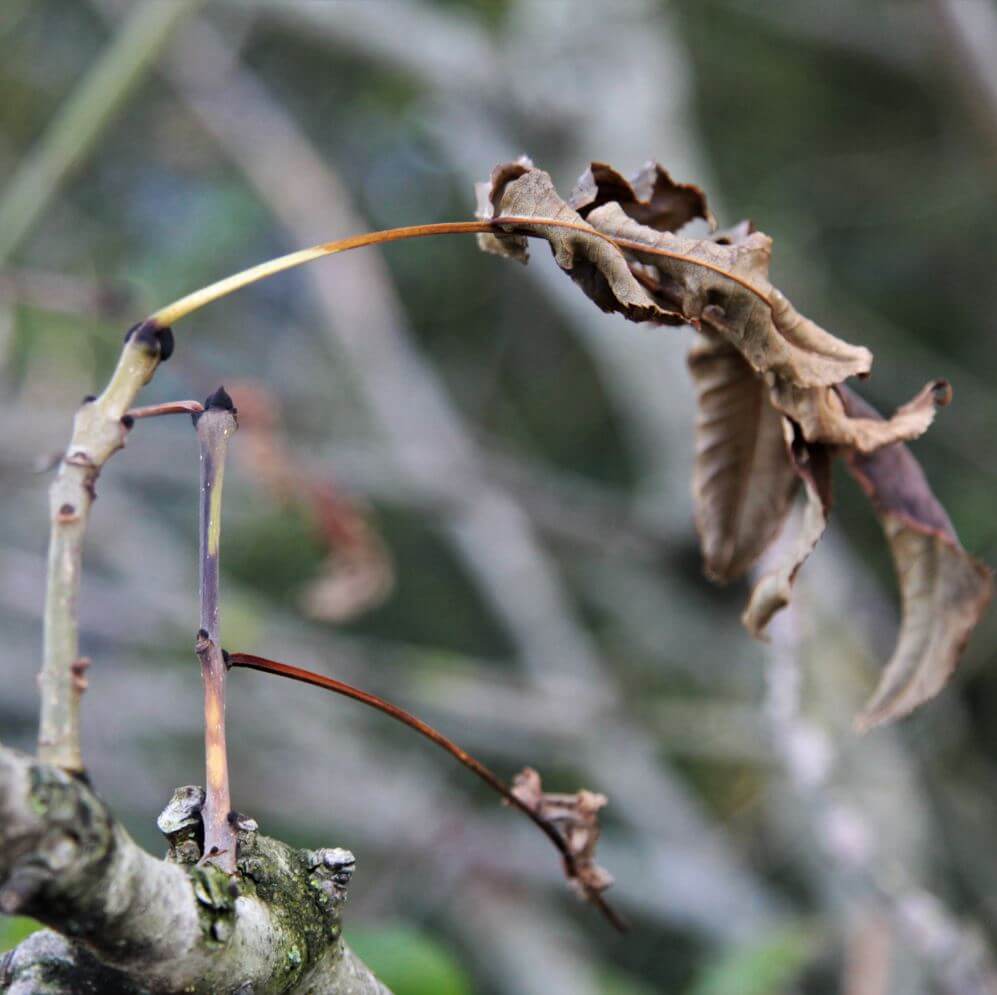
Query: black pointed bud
(127, 421)
(219, 399)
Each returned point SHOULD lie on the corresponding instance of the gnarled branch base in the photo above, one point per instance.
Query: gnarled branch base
(128, 923)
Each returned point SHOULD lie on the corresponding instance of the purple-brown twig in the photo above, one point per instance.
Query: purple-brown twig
(214, 426)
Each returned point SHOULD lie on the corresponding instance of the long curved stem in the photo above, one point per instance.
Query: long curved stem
(186, 305)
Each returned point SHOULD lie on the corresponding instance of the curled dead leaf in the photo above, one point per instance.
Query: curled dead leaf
(651, 197)
(517, 189)
(488, 196)
(648, 274)
(766, 377)
(743, 479)
(943, 589)
(772, 592)
(576, 819)
(821, 415)
(726, 286)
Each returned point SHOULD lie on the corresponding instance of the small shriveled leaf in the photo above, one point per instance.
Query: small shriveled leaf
(570, 822)
(943, 589)
(726, 286)
(517, 189)
(821, 415)
(651, 197)
(576, 818)
(743, 479)
(774, 589)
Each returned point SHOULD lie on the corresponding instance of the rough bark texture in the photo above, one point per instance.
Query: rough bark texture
(136, 925)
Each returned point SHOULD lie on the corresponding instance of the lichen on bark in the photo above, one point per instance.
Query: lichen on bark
(132, 924)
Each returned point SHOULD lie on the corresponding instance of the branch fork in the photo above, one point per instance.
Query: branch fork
(99, 430)
(135, 925)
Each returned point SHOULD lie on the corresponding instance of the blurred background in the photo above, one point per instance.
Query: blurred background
(461, 486)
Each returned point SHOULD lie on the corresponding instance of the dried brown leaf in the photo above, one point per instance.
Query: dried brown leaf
(774, 589)
(651, 197)
(773, 410)
(821, 415)
(357, 573)
(576, 818)
(726, 286)
(517, 189)
(489, 195)
(649, 274)
(743, 480)
(943, 589)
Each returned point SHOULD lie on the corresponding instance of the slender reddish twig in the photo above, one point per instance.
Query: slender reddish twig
(166, 408)
(252, 662)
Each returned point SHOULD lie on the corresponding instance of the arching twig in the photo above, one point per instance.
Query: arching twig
(572, 868)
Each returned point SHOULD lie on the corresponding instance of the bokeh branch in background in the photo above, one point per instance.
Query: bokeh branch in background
(133, 52)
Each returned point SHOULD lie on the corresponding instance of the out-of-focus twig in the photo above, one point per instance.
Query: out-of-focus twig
(357, 573)
(955, 953)
(87, 112)
(971, 25)
(61, 292)
(868, 955)
(632, 54)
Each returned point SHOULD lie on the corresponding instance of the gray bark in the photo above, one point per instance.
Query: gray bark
(128, 923)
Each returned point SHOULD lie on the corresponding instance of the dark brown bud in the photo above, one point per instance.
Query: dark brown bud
(155, 340)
